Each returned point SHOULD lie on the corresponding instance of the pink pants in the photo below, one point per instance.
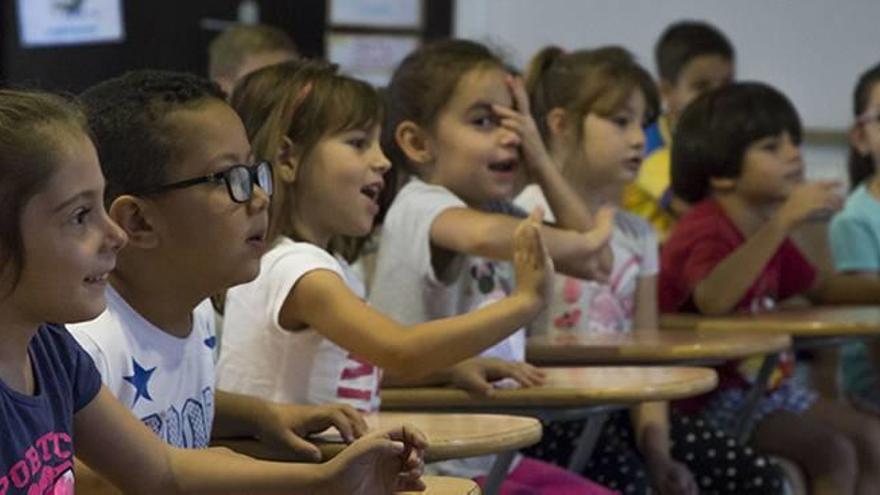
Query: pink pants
(534, 477)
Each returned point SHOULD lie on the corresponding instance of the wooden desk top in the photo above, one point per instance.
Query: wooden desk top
(450, 436)
(825, 321)
(567, 387)
(442, 485)
(661, 347)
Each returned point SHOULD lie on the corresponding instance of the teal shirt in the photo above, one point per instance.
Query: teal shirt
(855, 234)
(855, 245)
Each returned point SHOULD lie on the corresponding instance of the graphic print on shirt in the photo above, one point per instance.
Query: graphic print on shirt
(605, 307)
(46, 468)
(186, 426)
(356, 383)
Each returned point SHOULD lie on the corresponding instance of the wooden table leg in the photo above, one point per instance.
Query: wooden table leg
(587, 442)
(746, 415)
(498, 473)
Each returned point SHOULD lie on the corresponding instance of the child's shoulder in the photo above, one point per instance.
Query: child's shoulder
(861, 204)
(632, 225)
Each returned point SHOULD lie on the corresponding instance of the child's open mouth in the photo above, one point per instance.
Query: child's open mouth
(505, 166)
(372, 191)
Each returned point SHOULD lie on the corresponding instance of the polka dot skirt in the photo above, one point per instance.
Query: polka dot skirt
(719, 464)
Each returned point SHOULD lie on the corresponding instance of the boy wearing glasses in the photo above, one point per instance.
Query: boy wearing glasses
(182, 183)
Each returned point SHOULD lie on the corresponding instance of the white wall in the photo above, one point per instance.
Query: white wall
(813, 50)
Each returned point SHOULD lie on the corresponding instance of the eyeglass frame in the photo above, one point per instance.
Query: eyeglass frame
(222, 176)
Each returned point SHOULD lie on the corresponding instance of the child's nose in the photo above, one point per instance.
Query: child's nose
(259, 200)
(510, 138)
(380, 162)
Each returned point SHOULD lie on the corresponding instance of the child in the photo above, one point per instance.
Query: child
(736, 157)
(591, 106)
(855, 233)
(58, 248)
(242, 49)
(453, 124)
(301, 332)
(692, 57)
(154, 344)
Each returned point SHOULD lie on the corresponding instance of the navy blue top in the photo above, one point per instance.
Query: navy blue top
(36, 444)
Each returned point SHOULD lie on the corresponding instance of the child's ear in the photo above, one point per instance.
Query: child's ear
(859, 140)
(136, 218)
(557, 122)
(414, 142)
(666, 87)
(287, 161)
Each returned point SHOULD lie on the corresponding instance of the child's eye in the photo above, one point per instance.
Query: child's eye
(486, 121)
(621, 121)
(771, 145)
(359, 143)
(80, 215)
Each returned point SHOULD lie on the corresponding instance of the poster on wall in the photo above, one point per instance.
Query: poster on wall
(404, 14)
(371, 57)
(69, 22)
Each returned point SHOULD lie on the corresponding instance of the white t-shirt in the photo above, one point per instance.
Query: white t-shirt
(261, 358)
(581, 306)
(406, 288)
(166, 381)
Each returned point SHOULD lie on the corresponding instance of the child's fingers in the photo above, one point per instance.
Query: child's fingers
(518, 91)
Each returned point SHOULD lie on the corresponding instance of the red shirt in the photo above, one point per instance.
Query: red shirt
(703, 238)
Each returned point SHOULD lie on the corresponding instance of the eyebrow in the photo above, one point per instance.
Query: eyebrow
(481, 105)
(73, 199)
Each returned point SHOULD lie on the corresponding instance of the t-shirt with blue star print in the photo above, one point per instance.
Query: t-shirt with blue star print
(166, 381)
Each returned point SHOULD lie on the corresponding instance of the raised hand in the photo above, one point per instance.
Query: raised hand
(531, 262)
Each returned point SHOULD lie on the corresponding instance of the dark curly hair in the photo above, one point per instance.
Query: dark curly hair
(128, 118)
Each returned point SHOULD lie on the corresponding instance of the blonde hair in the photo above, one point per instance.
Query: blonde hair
(227, 51)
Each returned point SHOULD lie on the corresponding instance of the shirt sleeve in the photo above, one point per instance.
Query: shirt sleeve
(853, 246)
(84, 376)
(91, 347)
(290, 267)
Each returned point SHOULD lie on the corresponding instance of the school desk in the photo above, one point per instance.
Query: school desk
(450, 436)
(808, 327)
(649, 347)
(568, 393)
(443, 485)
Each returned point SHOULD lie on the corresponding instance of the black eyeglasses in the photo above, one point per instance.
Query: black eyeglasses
(239, 180)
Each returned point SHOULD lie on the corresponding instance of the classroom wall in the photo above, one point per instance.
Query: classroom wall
(813, 50)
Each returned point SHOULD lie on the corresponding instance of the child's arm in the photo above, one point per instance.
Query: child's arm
(651, 424)
(846, 288)
(473, 375)
(646, 316)
(725, 285)
(568, 208)
(122, 449)
(321, 300)
(470, 231)
(287, 425)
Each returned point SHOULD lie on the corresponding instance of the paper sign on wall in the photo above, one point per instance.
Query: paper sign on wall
(67, 22)
(371, 57)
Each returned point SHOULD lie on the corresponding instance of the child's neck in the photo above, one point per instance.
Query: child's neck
(166, 303)
(16, 333)
(304, 229)
(747, 216)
